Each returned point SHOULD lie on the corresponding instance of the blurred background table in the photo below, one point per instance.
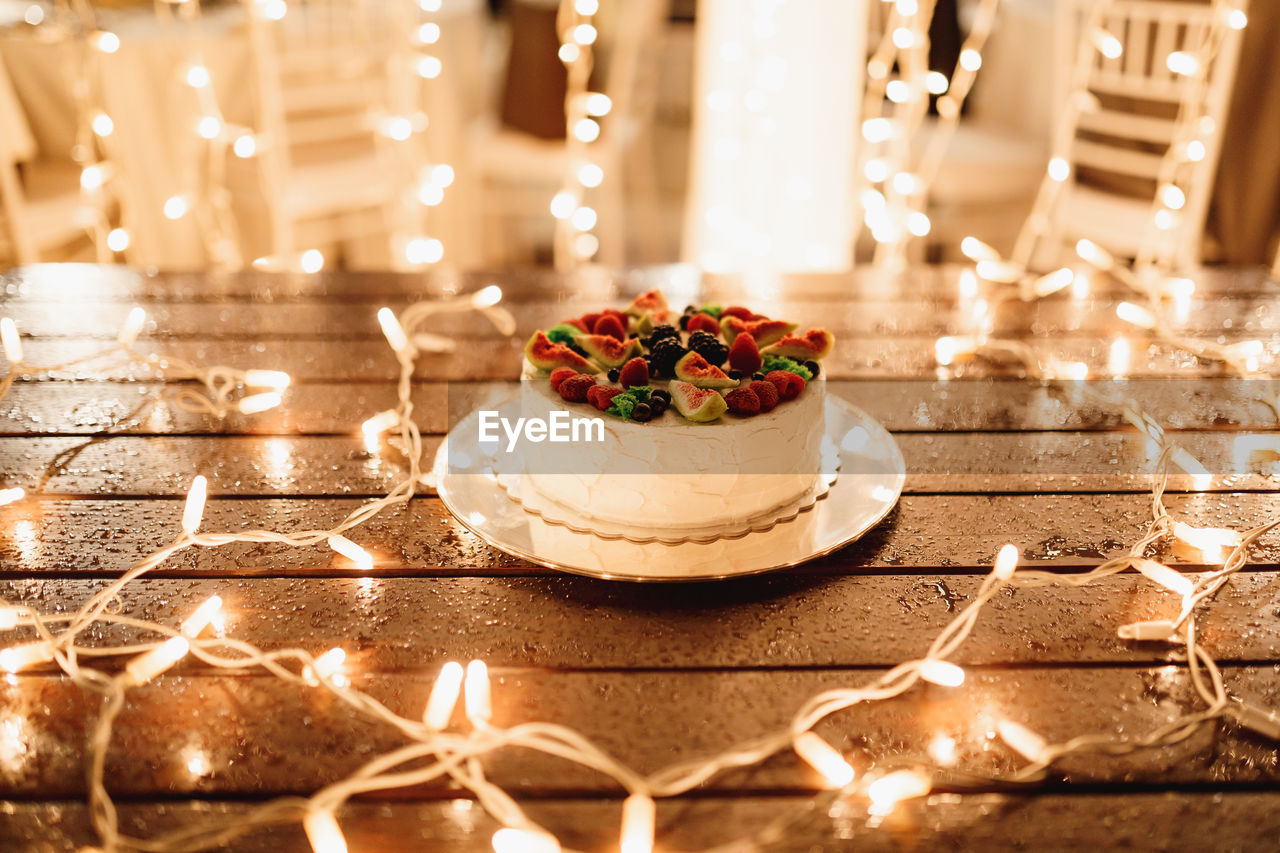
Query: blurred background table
(657, 674)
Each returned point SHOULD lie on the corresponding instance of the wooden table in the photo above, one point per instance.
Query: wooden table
(656, 673)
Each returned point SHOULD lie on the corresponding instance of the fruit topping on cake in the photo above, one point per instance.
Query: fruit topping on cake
(812, 345)
(766, 393)
(611, 326)
(608, 350)
(744, 355)
(575, 388)
(710, 347)
(697, 404)
(564, 333)
(634, 373)
(765, 332)
(696, 370)
(664, 354)
(601, 396)
(703, 323)
(737, 311)
(545, 354)
(789, 384)
(781, 362)
(559, 375)
(742, 401)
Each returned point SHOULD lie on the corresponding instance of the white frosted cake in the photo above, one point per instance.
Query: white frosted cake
(676, 442)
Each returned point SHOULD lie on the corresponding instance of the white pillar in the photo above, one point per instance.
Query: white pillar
(778, 86)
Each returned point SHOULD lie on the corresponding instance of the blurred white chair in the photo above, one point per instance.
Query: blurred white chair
(1135, 138)
(335, 126)
(517, 174)
(41, 203)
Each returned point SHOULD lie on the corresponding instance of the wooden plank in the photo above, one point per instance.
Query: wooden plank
(922, 405)
(924, 534)
(408, 624)
(893, 315)
(64, 282)
(1016, 821)
(936, 463)
(902, 357)
(257, 736)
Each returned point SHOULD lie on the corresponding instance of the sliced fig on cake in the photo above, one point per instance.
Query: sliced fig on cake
(696, 404)
(608, 350)
(696, 370)
(813, 345)
(545, 354)
(765, 332)
(649, 302)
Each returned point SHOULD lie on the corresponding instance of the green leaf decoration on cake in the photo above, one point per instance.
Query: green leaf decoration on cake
(781, 362)
(562, 333)
(713, 310)
(622, 405)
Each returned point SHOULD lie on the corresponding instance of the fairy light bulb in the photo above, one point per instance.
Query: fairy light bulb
(476, 693)
(897, 91)
(590, 175)
(824, 758)
(1194, 151)
(941, 672)
(198, 76)
(1181, 62)
(1172, 197)
(275, 10)
(1023, 741)
(245, 146)
(202, 617)
(1237, 19)
(967, 286)
(1211, 542)
(132, 326)
(889, 790)
(17, 658)
(584, 34)
(936, 83)
(423, 250)
(1059, 169)
(311, 261)
(947, 349)
(323, 832)
(598, 104)
(145, 667)
(487, 296)
(376, 425)
(877, 129)
(1051, 283)
(209, 127)
(512, 840)
(255, 403)
(569, 53)
(1006, 562)
(1092, 253)
(362, 559)
(428, 33)
(563, 205)
(1118, 357)
(118, 240)
(327, 667)
(918, 223)
(970, 59)
(444, 696)
(92, 178)
(277, 379)
(103, 125)
(106, 42)
(429, 67)
(942, 749)
(193, 510)
(1265, 723)
(586, 130)
(586, 7)
(8, 496)
(9, 618)
(175, 207)
(999, 271)
(583, 219)
(11, 340)
(392, 331)
(1201, 479)
(1172, 580)
(639, 818)
(976, 250)
(876, 170)
(1107, 44)
(903, 38)
(1160, 629)
(1136, 314)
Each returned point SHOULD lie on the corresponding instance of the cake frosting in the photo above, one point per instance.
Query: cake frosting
(726, 450)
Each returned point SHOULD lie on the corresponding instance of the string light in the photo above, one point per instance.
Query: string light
(118, 240)
(893, 788)
(276, 379)
(362, 559)
(444, 696)
(17, 658)
(103, 125)
(11, 341)
(1006, 562)
(1107, 44)
(393, 332)
(639, 816)
(1023, 741)
(203, 616)
(193, 510)
(1180, 62)
(511, 840)
(1136, 314)
(106, 42)
(824, 758)
(323, 831)
(145, 667)
(245, 146)
(476, 693)
(1059, 169)
(9, 496)
(940, 672)
(255, 403)
(132, 326)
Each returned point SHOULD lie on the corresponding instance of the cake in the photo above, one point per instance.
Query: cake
(687, 423)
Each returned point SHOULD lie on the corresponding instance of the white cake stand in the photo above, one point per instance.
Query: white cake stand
(871, 475)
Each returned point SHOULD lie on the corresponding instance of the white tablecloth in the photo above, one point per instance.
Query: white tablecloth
(154, 146)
